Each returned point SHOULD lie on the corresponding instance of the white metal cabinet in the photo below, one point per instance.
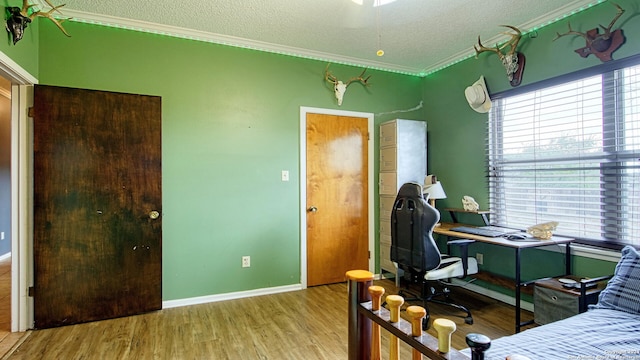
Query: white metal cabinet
(403, 158)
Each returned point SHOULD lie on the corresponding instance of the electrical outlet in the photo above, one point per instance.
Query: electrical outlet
(480, 258)
(246, 261)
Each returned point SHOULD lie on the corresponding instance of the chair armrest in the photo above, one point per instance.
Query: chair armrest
(464, 252)
(461, 242)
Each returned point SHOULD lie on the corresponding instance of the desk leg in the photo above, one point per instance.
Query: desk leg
(568, 258)
(518, 282)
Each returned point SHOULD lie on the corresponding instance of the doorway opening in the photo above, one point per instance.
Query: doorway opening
(304, 182)
(5, 207)
(18, 86)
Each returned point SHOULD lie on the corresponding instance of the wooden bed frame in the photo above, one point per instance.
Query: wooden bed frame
(366, 317)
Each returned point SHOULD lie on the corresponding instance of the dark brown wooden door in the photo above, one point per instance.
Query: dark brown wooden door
(97, 205)
(337, 197)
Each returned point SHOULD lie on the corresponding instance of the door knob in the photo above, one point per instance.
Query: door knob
(312, 209)
(154, 215)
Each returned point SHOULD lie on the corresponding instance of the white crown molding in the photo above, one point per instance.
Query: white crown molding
(179, 32)
(197, 35)
(559, 14)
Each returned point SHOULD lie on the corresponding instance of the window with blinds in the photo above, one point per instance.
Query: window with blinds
(570, 153)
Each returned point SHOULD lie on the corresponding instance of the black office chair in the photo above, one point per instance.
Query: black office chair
(415, 252)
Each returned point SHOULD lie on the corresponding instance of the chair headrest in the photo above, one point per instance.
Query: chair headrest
(410, 189)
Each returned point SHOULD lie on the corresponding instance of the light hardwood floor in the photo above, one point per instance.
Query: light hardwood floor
(306, 324)
(7, 338)
(5, 297)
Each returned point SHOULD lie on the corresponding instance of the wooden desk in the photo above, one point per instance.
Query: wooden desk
(517, 246)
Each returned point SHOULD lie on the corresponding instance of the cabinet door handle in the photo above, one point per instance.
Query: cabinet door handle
(312, 209)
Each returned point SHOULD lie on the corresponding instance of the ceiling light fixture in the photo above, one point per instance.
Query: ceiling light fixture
(376, 3)
(380, 52)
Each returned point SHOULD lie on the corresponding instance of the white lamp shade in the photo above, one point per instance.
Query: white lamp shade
(435, 191)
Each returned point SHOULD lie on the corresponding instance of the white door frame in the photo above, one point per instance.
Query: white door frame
(21, 192)
(303, 185)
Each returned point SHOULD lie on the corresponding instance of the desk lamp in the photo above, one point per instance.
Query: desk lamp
(435, 191)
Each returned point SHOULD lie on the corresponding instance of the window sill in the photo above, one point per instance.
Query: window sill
(589, 252)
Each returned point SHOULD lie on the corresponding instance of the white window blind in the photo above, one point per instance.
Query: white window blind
(569, 153)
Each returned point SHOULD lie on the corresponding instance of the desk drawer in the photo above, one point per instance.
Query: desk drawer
(385, 227)
(386, 207)
(388, 134)
(388, 183)
(388, 159)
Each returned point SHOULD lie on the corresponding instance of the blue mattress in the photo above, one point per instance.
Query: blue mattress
(595, 334)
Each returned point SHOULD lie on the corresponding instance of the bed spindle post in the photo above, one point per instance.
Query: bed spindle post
(359, 325)
(416, 314)
(478, 344)
(444, 328)
(376, 298)
(394, 302)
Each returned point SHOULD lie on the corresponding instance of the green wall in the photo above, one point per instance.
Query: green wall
(457, 133)
(230, 126)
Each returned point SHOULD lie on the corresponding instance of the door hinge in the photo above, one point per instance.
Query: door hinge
(369, 254)
(30, 291)
(30, 112)
(368, 136)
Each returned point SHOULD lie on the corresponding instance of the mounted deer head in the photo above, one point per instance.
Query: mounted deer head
(512, 60)
(340, 87)
(18, 18)
(600, 45)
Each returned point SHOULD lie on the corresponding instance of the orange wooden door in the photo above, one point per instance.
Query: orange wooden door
(97, 205)
(337, 197)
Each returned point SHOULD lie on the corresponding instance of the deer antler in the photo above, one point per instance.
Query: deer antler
(52, 6)
(329, 77)
(25, 12)
(607, 30)
(513, 43)
(571, 32)
(481, 48)
(618, 14)
(359, 78)
(512, 60)
(339, 87)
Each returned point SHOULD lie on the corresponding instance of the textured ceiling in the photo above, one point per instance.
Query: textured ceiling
(417, 36)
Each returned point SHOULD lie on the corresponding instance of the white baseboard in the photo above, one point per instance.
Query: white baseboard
(229, 296)
(5, 256)
(280, 289)
(507, 299)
